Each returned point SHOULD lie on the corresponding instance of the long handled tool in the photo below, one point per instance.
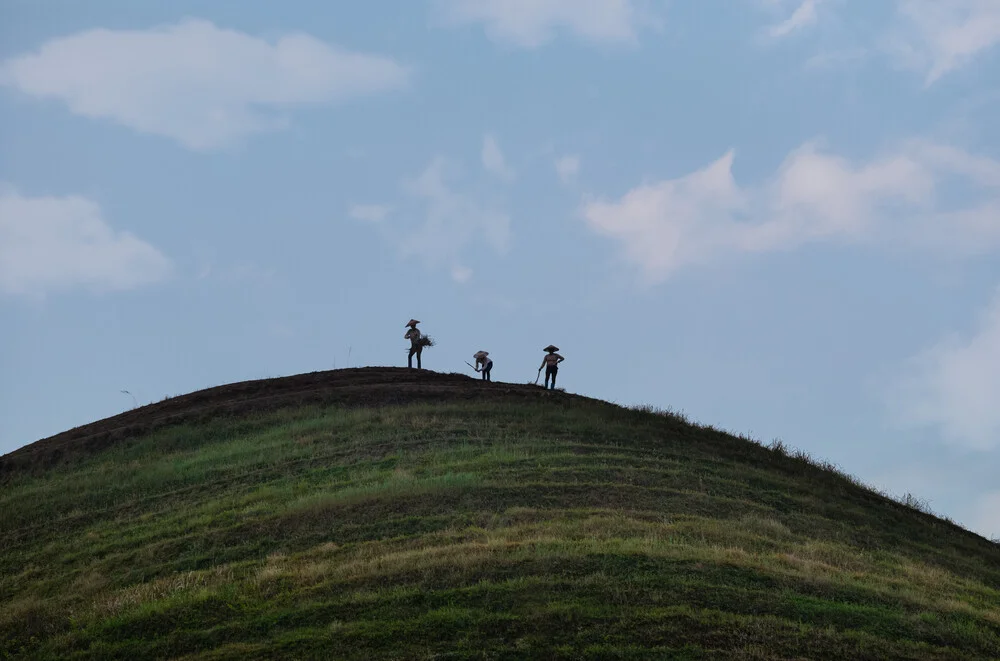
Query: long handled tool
(471, 365)
(538, 375)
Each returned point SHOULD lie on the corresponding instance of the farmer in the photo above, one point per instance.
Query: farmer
(551, 364)
(416, 345)
(483, 358)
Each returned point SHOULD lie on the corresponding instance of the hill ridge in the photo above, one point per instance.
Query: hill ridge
(355, 386)
(362, 387)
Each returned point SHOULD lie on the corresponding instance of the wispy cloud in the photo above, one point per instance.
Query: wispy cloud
(804, 16)
(196, 83)
(530, 24)
(451, 219)
(50, 244)
(439, 221)
(370, 213)
(567, 167)
(932, 37)
(955, 385)
(461, 273)
(814, 196)
(937, 37)
(493, 160)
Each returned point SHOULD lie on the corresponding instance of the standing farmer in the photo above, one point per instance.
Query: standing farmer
(417, 342)
(551, 364)
(483, 358)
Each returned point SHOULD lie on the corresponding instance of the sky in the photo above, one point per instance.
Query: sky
(778, 217)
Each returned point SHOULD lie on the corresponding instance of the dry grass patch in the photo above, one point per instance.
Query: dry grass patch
(139, 594)
(373, 561)
(764, 525)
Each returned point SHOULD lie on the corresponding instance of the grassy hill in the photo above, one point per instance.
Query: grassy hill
(391, 514)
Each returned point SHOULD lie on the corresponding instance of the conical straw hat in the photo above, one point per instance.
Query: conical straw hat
(480, 353)
(412, 322)
(551, 347)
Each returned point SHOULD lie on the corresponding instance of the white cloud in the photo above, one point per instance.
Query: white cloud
(461, 273)
(933, 37)
(450, 222)
(955, 385)
(567, 167)
(937, 37)
(532, 23)
(493, 160)
(60, 243)
(804, 16)
(194, 82)
(370, 213)
(814, 196)
(662, 226)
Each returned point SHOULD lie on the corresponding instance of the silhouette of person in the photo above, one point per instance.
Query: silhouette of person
(482, 357)
(551, 364)
(416, 347)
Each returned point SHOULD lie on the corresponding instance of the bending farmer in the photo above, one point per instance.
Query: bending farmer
(482, 358)
(551, 364)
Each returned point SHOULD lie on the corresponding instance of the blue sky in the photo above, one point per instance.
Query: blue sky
(781, 217)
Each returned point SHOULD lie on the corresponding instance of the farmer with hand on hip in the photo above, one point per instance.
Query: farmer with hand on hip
(417, 343)
(482, 358)
(551, 364)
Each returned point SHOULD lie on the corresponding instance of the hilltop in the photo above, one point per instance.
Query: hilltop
(401, 514)
(352, 387)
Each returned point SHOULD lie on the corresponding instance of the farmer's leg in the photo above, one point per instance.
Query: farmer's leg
(420, 350)
(486, 373)
(555, 370)
(409, 357)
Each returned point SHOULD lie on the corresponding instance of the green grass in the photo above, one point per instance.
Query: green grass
(457, 531)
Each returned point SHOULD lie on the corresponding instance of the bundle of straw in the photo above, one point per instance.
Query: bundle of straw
(426, 341)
